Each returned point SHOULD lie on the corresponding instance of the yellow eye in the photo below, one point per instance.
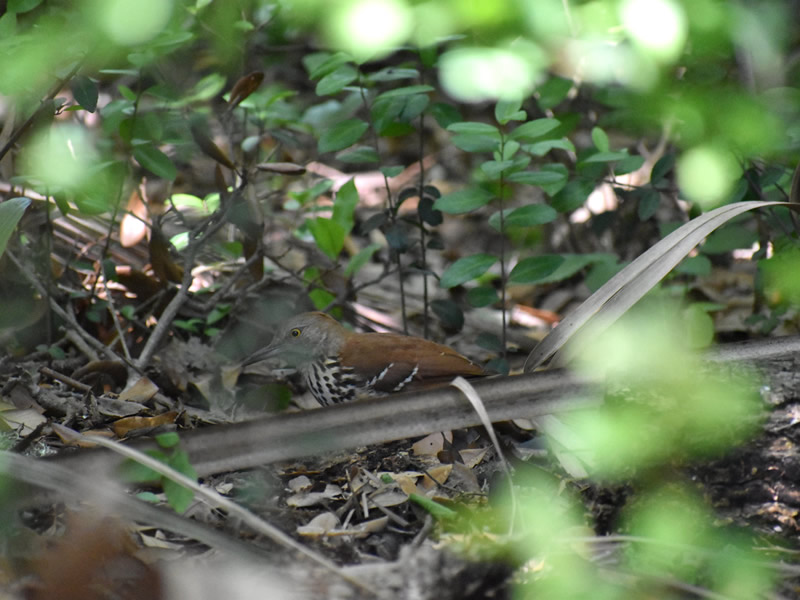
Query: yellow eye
(295, 332)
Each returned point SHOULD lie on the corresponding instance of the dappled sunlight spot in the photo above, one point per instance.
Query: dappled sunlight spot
(370, 28)
(478, 74)
(129, 23)
(657, 26)
(61, 156)
(707, 175)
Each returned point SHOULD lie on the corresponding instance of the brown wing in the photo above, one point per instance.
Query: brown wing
(399, 362)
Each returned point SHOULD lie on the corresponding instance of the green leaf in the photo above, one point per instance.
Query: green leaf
(337, 80)
(179, 497)
(493, 168)
(572, 196)
(524, 216)
(133, 472)
(543, 147)
(730, 237)
(463, 201)
(527, 132)
(576, 262)
(155, 161)
(600, 139)
(85, 92)
(393, 74)
(11, 212)
(328, 234)
(445, 114)
(393, 171)
(359, 154)
(360, 259)
(538, 177)
(553, 91)
(450, 314)
(606, 157)
(648, 204)
(628, 165)
(466, 269)
(473, 127)
(509, 110)
(342, 135)
(535, 268)
(475, 137)
(21, 6)
(344, 205)
(406, 91)
(168, 440)
(482, 296)
(664, 165)
(324, 64)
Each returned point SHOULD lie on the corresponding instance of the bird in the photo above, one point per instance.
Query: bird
(339, 365)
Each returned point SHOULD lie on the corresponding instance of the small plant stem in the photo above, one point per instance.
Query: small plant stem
(423, 256)
(503, 281)
(392, 211)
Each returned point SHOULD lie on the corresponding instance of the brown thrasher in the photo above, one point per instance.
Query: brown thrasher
(339, 365)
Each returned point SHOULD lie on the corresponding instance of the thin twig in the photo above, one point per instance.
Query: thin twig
(216, 500)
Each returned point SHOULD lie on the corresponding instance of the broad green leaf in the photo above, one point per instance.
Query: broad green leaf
(450, 314)
(337, 80)
(85, 92)
(360, 259)
(729, 238)
(328, 234)
(466, 269)
(572, 196)
(393, 74)
(155, 161)
(553, 91)
(524, 216)
(576, 262)
(324, 64)
(543, 147)
(463, 201)
(344, 205)
(482, 296)
(527, 132)
(407, 91)
(179, 497)
(648, 204)
(360, 154)
(493, 168)
(392, 171)
(475, 137)
(600, 139)
(606, 157)
(342, 135)
(535, 268)
(663, 166)
(21, 6)
(508, 110)
(628, 165)
(538, 177)
(11, 212)
(473, 127)
(445, 114)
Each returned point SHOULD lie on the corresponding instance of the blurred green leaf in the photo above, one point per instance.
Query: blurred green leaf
(342, 135)
(85, 92)
(360, 259)
(528, 132)
(155, 161)
(535, 268)
(524, 216)
(336, 81)
(463, 201)
(11, 212)
(344, 205)
(600, 139)
(466, 269)
(328, 234)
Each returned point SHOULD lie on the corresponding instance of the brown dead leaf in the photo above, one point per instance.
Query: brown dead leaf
(141, 391)
(209, 148)
(432, 444)
(245, 86)
(472, 456)
(124, 426)
(439, 475)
